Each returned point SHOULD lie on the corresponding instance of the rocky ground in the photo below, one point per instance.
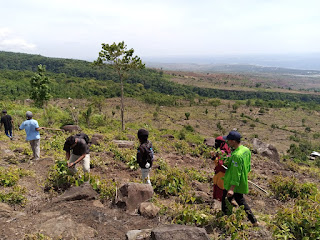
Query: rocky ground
(89, 218)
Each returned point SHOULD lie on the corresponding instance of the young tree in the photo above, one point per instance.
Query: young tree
(122, 61)
(40, 91)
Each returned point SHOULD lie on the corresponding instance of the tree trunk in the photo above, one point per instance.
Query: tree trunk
(122, 104)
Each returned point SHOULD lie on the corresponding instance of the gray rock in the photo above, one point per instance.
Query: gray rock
(131, 137)
(63, 227)
(148, 209)
(95, 141)
(179, 232)
(71, 128)
(168, 136)
(143, 234)
(99, 136)
(265, 149)
(124, 143)
(209, 142)
(84, 191)
(131, 195)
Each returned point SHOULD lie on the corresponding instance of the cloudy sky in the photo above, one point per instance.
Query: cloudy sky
(162, 28)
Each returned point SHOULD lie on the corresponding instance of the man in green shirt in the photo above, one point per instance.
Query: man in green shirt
(236, 176)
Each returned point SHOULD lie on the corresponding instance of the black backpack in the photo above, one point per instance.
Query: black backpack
(83, 136)
(149, 152)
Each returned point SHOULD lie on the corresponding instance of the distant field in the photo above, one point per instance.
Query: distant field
(249, 82)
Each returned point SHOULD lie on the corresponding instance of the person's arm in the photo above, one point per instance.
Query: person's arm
(139, 155)
(39, 128)
(231, 191)
(78, 160)
(67, 155)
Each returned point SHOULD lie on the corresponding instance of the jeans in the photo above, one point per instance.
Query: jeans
(240, 201)
(8, 132)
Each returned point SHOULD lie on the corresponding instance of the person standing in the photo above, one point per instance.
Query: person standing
(77, 150)
(32, 128)
(145, 155)
(7, 121)
(236, 176)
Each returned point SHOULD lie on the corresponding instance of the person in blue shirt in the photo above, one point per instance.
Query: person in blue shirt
(32, 128)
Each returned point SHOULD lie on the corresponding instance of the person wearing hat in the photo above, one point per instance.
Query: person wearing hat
(236, 176)
(145, 155)
(32, 128)
(7, 122)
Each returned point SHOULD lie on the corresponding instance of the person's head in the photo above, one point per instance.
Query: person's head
(29, 115)
(143, 135)
(233, 138)
(218, 142)
(4, 112)
(70, 142)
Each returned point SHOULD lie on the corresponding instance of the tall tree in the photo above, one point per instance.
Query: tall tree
(122, 61)
(40, 91)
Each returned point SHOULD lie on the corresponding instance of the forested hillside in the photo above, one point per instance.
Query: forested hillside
(80, 79)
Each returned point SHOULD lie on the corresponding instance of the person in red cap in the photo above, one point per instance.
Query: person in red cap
(222, 151)
(236, 176)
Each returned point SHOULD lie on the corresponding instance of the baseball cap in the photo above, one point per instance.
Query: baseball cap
(233, 135)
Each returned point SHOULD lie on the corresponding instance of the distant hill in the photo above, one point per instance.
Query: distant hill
(230, 68)
(285, 63)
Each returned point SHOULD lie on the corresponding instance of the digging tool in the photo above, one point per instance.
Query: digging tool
(53, 129)
(258, 187)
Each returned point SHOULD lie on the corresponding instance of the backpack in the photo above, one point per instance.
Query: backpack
(149, 152)
(83, 136)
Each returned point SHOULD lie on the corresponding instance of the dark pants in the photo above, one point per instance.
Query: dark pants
(8, 132)
(240, 201)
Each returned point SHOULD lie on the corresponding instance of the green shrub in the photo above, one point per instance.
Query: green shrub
(285, 188)
(106, 187)
(190, 214)
(170, 182)
(36, 236)
(14, 196)
(9, 177)
(59, 177)
(233, 225)
(301, 221)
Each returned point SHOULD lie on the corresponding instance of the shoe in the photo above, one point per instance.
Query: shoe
(256, 224)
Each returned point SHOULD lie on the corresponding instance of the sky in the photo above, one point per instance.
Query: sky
(163, 28)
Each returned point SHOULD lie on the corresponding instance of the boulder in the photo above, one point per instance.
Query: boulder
(168, 136)
(143, 234)
(265, 149)
(124, 143)
(209, 142)
(63, 227)
(179, 232)
(71, 128)
(131, 137)
(131, 195)
(148, 209)
(99, 136)
(84, 191)
(95, 141)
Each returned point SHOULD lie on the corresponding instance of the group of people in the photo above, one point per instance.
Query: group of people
(231, 167)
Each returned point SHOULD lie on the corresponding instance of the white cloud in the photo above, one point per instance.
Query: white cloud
(10, 42)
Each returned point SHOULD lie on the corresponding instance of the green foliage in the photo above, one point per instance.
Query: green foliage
(14, 196)
(133, 164)
(300, 221)
(285, 188)
(105, 187)
(233, 225)
(301, 151)
(170, 182)
(36, 236)
(9, 177)
(187, 114)
(198, 175)
(188, 128)
(59, 177)
(40, 87)
(190, 214)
